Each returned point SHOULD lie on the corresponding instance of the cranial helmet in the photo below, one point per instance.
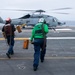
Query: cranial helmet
(8, 20)
(41, 20)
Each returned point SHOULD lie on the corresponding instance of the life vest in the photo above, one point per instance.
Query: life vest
(38, 29)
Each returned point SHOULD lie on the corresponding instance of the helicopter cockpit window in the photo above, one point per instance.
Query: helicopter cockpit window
(54, 20)
(26, 16)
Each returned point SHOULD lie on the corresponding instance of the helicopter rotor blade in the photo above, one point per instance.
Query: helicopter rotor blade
(16, 10)
(41, 11)
(24, 10)
(61, 13)
(62, 8)
(37, 10)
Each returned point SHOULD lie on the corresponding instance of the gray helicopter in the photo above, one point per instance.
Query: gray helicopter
(31, 20)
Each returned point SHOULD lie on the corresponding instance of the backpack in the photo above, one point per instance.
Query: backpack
(8, 29)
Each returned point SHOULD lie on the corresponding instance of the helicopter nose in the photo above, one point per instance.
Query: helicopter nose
(59, 23)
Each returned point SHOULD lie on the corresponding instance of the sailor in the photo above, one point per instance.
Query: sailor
(9, 29)
(38, 39)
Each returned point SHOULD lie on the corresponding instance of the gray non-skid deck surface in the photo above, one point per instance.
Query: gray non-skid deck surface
(59, 60)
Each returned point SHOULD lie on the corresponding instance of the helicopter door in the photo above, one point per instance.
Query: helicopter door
(34, 21)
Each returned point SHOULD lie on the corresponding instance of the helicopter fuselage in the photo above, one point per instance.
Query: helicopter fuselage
(31, 20)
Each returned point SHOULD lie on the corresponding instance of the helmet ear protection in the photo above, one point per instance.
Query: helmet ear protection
(41, 20)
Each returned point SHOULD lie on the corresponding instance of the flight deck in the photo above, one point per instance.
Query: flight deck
(59, 59)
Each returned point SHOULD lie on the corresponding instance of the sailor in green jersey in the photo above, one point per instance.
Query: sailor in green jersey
(38, 38)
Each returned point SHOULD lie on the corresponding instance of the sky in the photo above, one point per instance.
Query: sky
(47, 5)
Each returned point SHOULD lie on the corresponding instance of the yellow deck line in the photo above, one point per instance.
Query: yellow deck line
(15, 38)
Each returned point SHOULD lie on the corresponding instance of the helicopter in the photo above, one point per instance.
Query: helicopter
(32, 20)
